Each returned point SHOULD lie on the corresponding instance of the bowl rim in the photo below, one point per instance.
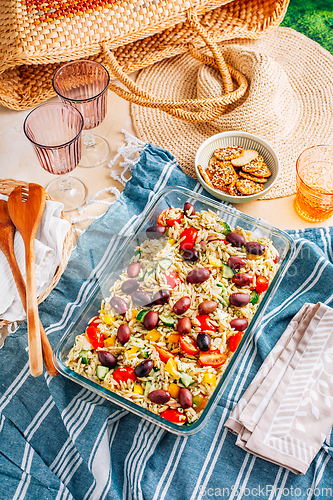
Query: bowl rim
(236, 133)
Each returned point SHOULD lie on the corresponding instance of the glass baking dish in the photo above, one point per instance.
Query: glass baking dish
(171, 197)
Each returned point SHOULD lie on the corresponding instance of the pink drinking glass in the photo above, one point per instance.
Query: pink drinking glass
(84, 84)
(55, 133)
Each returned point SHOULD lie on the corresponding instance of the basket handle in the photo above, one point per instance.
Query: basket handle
(213, 107)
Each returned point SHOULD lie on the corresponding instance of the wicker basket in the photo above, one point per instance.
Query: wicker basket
(36, 36)
(6, 187)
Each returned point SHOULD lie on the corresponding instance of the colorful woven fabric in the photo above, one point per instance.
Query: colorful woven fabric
(61, 441)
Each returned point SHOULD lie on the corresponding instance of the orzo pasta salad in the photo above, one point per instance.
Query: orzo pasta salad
(175, 316)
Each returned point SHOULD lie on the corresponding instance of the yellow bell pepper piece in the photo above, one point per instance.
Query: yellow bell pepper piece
(172, 241)
(153, 336)
(214, 261)
(174, 390)
(171, 367)
(108, 319)
(210, 379)
(110, 341)
(134, 313)
(138, 389)
(173, 338)
(132, 352)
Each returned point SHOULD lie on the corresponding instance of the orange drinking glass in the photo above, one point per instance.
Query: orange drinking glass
(314, 179)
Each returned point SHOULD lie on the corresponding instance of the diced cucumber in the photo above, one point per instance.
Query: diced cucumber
(147, 388)
(141, 315)
(150, 269)
(186, 379)
(225, 298)
(101, 371)
(167, 320)
(227, 272)
(138, 252)
(227, 228)
(140, 276)
(254, 297)
(84, 356)
(165, 264)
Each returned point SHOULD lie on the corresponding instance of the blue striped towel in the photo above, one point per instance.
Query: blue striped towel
(60, 441)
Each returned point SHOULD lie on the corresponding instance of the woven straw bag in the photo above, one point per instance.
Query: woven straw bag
(6, 187)
(36, 36)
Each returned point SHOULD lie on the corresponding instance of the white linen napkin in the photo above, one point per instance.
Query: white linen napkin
(285, 414)
(49, 242)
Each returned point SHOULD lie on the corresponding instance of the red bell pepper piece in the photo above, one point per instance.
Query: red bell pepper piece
(234, 341)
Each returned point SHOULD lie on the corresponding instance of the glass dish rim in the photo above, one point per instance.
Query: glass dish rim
(232, 365)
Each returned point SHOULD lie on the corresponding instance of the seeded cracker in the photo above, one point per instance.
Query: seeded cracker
(247, 187)
(262, 171)
(228, 153)
(253, 165)
(232, 189)
(252, 177)
(221, 173)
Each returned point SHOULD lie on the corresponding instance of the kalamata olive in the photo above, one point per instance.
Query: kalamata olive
(107, 359)
(203, 341)
(254, 248)
(159, 396)
(239, 324)
(198, 275)
(130, 286)
(119, 305)
(191, 255)
(184, 326)
(144, 368)
(162, 297)
(189, 209)
(182, 305)
(207, 307)
(123, 333)
(141, 298)
(155, 232)
(133, 269)
(242, 279)
(236, 262)
(237, 240)
(185, 398)
(150, 320)
(239, 299)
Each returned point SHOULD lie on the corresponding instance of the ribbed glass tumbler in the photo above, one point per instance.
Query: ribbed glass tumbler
(55, 133)
(84, 84)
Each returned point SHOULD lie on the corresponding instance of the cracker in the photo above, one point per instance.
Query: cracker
(221, 173)
(262, 171)
(252, 177)
(253, 164)
(248, 156)
(229, 152)
(247, 187)
(205, 176)
(232, 189)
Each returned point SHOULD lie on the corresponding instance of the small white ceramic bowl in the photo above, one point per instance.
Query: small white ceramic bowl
(247, 141)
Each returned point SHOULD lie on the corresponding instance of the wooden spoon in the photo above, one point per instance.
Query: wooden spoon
(26, 207)
(7, 231)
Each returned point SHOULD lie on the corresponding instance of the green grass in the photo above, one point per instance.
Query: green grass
(313, 18)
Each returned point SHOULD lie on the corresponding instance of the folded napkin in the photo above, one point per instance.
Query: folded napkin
(49, 242)
(285, 414)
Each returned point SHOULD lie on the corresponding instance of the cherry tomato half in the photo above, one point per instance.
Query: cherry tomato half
(190, 234)
(206, 323)
(174, 416)
(164, 354)
(199, 402)
(173, 280)
(234, 341)
(212, 358)
(124, 374)
(188, 344)
(261, 284)
(162, 221)
(276, 259)
(95, 337)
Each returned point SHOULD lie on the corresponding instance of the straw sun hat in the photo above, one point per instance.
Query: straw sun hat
(289, 101)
